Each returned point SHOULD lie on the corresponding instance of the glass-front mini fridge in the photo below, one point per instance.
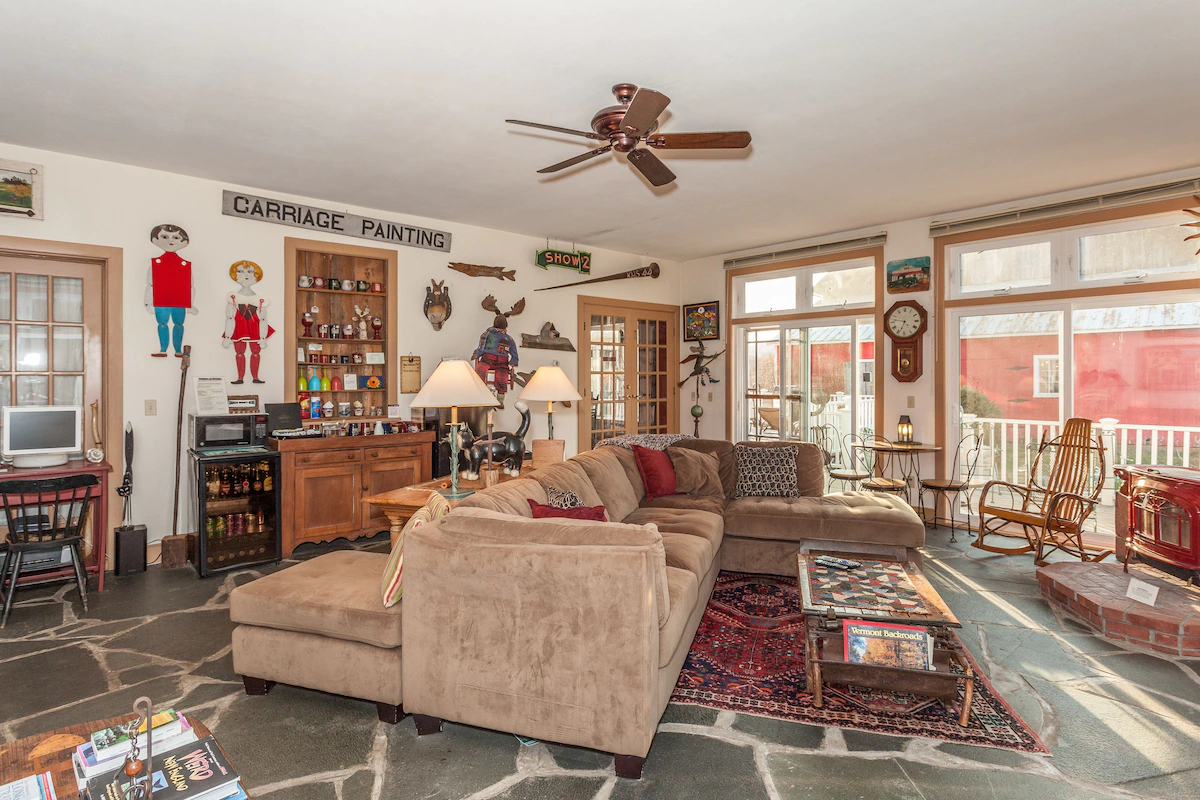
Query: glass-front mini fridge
(237, 496)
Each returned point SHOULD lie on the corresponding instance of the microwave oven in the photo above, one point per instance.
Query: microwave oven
(227, 430)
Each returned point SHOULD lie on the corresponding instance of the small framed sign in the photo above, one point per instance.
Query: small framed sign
(1142, 592)
(908, 275)
(20, 189)
(243, 404)
(410, 374)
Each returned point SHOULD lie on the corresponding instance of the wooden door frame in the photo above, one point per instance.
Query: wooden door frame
(112, 409)
(583, 370)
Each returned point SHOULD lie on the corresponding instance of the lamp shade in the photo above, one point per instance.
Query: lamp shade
(550, 384)
(454, 384)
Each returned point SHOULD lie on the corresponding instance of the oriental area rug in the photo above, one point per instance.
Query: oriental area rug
(748, 657)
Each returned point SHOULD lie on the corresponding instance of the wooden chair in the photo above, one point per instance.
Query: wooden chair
(855, 469)
(37, 523)
(769, 420)
(966, 457)
(882, 465)
(1066, 477)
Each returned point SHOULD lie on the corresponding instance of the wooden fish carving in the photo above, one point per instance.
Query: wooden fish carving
(481, 271)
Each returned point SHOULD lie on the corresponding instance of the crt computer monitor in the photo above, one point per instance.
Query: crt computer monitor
(41, 436)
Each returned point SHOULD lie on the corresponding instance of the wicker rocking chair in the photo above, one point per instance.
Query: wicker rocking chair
(1066, 477)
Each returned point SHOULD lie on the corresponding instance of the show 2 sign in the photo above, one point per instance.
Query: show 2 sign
(282, 212)
(579, 261)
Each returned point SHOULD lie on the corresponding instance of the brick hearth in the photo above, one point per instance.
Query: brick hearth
(1095, 595)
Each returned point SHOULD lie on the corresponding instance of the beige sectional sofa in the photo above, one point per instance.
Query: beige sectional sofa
(576, 632)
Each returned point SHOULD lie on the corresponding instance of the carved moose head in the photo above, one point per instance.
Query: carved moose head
(501, 320)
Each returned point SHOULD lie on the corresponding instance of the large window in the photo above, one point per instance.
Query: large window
(41, 340)
(840, 284)
(1140, 250)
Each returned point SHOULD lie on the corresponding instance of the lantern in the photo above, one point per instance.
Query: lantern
(904, 431)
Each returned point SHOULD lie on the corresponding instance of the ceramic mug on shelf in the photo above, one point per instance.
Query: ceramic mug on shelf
(323, 331)
(357, 358)
(345, 359)
(305, 281)
(364, 286)
(347, 285)
(318, 282)
(334, 283)
(348, 331)
(377, 288)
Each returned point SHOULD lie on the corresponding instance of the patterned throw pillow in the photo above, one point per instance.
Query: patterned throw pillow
(562, 498)
(391, 587)
(766, 471)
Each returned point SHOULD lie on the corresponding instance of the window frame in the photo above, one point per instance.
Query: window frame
(804, 301)
(1038, 370)
(1064, 258)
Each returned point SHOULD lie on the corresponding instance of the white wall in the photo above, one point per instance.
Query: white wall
(103, 203)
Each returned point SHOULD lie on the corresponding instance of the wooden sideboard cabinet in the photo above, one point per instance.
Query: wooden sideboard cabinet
(325, 481)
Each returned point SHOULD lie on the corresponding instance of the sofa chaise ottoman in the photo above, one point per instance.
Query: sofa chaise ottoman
(322, 625)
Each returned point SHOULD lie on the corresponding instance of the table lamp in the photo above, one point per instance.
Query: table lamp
(552, 385)
(452, 385)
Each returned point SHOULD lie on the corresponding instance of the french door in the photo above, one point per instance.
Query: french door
(805, 383)
(629, 372)
(1131, 364)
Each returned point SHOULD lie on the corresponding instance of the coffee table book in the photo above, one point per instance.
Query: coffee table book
(195, 771)
(31, 787)
(887, 645)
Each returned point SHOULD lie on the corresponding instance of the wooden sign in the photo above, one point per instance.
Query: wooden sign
(579, 261)
(410, 374)
(281, 212)
(243, 404)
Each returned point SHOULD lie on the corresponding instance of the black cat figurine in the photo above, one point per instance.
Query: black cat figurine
(506, 448)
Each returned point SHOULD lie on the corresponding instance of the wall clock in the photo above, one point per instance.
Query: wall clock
(906, 322)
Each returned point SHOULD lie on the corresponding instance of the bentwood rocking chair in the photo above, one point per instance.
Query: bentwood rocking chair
(1065, 480)
(44, 516)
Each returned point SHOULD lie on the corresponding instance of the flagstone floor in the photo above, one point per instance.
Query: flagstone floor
(1118, 723)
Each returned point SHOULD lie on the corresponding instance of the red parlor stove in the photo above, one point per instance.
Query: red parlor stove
(1158, 518)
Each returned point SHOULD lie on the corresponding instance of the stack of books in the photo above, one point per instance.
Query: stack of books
(184, 767)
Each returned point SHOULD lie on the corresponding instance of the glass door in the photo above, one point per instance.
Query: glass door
(632, 367)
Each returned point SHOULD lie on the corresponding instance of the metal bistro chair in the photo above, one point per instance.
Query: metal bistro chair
(966, 458)
(855, 469)
(823, 436)
(1064, 486)
(883, 470)
(37, 523)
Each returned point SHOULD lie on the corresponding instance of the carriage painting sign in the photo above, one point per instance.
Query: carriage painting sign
(579, 260)
(282, 212)
(908, 275)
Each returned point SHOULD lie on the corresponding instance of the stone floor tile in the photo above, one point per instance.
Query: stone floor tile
(359, 785)
(155, 591)
(938, 783)
(1037, 653)
(1087, 643)
(26, 620)
(207, 693)
(449, 765)
(569, 757)
(1183, 785)
(866, 741)
(11, 650)
(689, 715)
(1154, 672)
(330, 733)
(984, 755)
(691, 767)
(188, 637)
(557, 788)
(49, 679)
(1135, 743)
(136, 675)
(805, 777)
(779, 731)
(310, 791)
(163, 691)
(221, 669)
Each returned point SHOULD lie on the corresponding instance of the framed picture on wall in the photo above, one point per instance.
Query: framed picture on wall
(701, 321)
(20, 189)
(908, 275)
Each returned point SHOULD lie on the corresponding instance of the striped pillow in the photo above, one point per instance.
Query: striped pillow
(391, 587)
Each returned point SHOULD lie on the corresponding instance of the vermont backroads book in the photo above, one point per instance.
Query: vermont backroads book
(887, 645)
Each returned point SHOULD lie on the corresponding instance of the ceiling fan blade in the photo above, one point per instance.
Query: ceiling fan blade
(588, 134)
(570, 162)
(697, 141)
(647, 104)
(648, 164)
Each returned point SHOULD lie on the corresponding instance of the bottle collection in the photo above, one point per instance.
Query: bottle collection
(237, 480)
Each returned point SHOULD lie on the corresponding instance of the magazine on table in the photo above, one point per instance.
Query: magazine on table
(887, 645)
(114, 740)
(32, 787)
(87, 766)
(195, 771)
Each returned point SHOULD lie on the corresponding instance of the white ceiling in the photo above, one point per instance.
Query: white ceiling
(862, 112)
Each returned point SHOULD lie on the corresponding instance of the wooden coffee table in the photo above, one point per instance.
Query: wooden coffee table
(879, 591)
(51, 752)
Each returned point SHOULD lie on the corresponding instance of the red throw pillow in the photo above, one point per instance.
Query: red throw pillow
(657, 471)
(541, 511)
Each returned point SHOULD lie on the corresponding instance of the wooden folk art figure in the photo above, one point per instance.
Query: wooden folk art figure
(548, 339)
(1195, 213)
(496, 447)
(700, 362)
(497, 351)
(246, 320)
(170, 288)
(437, 304)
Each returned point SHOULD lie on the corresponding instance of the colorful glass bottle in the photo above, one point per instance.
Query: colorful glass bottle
(336, 383)
(314, 383)
(325, 385)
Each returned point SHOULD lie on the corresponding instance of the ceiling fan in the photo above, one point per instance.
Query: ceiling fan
(634, 121)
